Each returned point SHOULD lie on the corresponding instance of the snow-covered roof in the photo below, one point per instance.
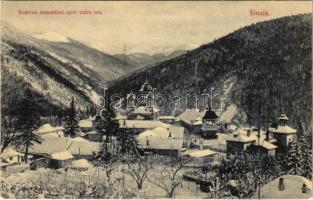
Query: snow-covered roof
(145, 124)
(81, 164)
(9, 152)
(292, 188)
(161, 138)
(85, 123)
(283, 130)
(75, 146)
(166, 117)
(191, 116)
(63, 155)
(265, 144)
(144, 110)
(241, 136)
(201, 153)
(120, 117)
(47, 128)
(92, 133)
(283, 117)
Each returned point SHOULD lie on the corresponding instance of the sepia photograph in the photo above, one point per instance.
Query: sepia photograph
(156, 100)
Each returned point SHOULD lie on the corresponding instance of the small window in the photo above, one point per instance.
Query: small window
(11, 158)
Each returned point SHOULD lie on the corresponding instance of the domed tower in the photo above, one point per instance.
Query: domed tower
(146, 88)
(209, 127)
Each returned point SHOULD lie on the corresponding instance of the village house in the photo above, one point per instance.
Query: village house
(162, 140)
(209, 127)
(201, 158)
(78, 147)
(141, 125)
(49, 131)
(167, 119)
(85, 125)
(286, 187)
(244, 139)
(283, 133)
(9, 157)
(93, 136)
(61, 159)
(191, 119)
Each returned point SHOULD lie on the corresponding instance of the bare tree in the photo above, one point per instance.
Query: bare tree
(138, 169)
(168, 178)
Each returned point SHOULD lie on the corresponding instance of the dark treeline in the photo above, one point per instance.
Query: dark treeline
(269, 61)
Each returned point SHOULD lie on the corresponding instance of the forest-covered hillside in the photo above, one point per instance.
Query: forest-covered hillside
(267, 64)
(54, 70)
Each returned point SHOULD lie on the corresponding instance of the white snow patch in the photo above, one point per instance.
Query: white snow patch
(94, 97)
(229, 114)
(52, 37)
(227, 90)
(65, 60)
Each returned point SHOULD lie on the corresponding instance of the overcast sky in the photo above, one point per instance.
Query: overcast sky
(149, 27)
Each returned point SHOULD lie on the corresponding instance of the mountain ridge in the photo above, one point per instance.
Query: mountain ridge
(271, 57)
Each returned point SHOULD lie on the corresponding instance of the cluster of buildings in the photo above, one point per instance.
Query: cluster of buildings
(55, 150)
(193, 133)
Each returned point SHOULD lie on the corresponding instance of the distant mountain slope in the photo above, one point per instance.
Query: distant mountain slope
(265, 65)
(143, 60)
(55, 70)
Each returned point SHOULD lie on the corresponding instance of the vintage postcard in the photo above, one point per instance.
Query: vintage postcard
(156, 100)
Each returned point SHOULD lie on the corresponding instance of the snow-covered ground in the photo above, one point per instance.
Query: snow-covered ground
(56, 180)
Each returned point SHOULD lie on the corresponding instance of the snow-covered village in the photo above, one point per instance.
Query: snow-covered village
(230, 119)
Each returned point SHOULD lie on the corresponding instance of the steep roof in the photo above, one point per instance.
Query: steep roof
(85, 123)
(74, 145)
(201, 153)
(292, 188)
(210, 114)
(144, 110)
(64, 155)
(47, 128)
(241, 136)
(166, 117)
(159, 138)
(9, 152)
(283, 130)
(145, 124)
(191, 116)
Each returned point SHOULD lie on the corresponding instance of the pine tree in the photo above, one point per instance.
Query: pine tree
(127, 142)
(28, 120)
(71, 124)
(299, 158)
(107, 126)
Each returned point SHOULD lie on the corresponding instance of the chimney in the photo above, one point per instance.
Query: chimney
(248, 132)
(267, 135)
(281, 185)
(304, 188)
